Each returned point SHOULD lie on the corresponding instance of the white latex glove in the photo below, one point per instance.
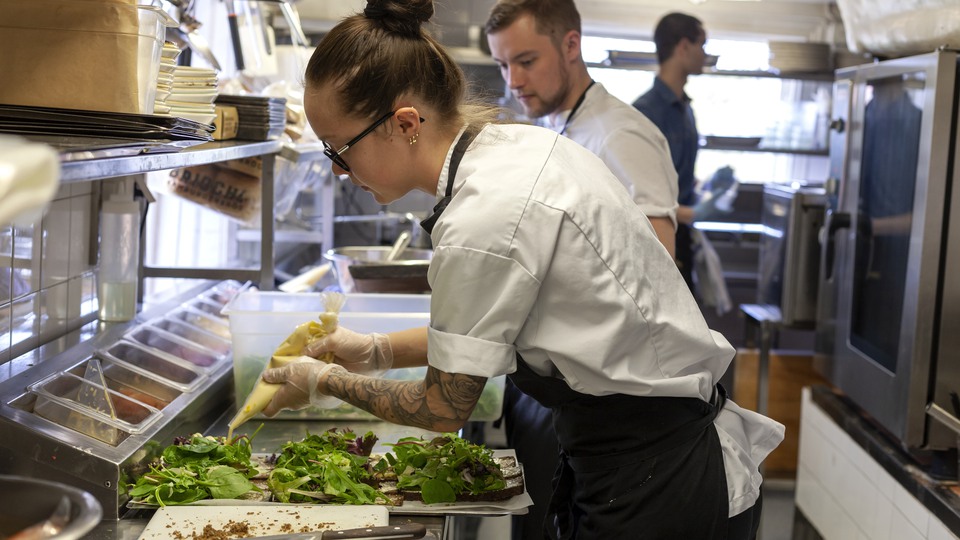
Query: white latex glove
(300, 382)
(369, 354)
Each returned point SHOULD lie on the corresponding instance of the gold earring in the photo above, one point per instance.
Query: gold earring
(414, 138)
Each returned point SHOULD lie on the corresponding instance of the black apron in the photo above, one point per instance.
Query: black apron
(632, 467)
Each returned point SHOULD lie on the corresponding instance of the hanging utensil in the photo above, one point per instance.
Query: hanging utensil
(188, 35)
(235, 34)
(403, 240)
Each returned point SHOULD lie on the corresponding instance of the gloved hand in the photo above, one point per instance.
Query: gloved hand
(721, 191)
(300, 380)
(369, 354)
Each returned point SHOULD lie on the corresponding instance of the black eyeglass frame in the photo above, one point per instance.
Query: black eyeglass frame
(335, 155)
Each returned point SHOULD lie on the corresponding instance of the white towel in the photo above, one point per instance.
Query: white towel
(29, 177)
(708, 274)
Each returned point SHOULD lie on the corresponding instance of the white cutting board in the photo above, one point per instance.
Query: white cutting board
(261, 520)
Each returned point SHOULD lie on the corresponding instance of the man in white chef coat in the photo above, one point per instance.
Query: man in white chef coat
(536, 43)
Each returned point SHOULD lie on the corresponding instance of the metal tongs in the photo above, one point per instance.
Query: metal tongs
(188, 32)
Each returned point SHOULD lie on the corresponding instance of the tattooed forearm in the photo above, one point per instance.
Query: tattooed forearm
(440, 402)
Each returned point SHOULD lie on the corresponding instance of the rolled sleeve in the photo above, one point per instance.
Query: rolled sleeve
(645, 160)
(454, 353)
(481, 301)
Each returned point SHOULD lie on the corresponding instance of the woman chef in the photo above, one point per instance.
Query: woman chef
(543, 269)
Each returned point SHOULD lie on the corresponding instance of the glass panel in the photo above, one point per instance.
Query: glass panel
(888, 173)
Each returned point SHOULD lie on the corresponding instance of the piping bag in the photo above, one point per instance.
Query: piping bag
(290, 351)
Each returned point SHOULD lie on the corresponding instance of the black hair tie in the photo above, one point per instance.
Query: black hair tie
(374, 12)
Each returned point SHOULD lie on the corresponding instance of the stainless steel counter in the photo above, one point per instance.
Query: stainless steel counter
(272, 435)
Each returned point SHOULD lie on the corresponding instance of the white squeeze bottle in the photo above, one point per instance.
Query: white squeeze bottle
(119, 256)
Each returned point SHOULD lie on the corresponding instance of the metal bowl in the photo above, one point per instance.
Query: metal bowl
(406, 274)
(27, 501)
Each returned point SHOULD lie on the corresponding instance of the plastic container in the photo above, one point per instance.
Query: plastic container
(152, 363)
(260, 321)
(119, 258)
(207, 307)
(58, 401)
(119, 378)
(214, 325)
(193, 333)
(175, 346)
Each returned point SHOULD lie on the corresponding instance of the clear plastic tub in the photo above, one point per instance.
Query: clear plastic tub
(260, 321)
(59, 400)
(153, 363)
(225, 291)
(207, 307)
(258, 312)
(135, 385)
(176, 346)
(153, 31)
(214, 325)
(193, 333)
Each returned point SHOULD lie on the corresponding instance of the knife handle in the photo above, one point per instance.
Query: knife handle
(410, 530)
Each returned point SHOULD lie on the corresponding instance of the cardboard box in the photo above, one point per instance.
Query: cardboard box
(227, 191)
(226, 124)
(788, 373)
(93, 55)
(252, 166)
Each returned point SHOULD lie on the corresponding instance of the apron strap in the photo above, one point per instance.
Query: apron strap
(458, 151)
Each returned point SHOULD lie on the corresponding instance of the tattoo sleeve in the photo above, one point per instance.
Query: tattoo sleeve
(440, 402)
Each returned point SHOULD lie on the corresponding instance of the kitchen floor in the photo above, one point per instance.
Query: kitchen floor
(776, 523)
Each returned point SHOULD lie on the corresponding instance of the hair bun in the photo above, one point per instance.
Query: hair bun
(400, 16)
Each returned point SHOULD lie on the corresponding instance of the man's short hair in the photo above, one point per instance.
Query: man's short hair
(672, 28)
(554, 18)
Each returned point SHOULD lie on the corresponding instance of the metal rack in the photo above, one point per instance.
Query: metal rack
(213, 152)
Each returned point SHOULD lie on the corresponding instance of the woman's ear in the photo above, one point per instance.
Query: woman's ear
(409, 121)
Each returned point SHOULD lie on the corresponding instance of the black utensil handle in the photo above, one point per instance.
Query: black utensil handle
(235, 37)
(410, 530)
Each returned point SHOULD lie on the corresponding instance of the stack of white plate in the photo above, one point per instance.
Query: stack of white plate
(168, 64)
(192, 94)
(790, 57)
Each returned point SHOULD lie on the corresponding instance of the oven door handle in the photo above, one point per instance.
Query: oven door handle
(945, 418)
(833, 222)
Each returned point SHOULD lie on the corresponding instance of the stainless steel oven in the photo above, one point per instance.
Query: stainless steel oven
(888, 320)
(791, 220)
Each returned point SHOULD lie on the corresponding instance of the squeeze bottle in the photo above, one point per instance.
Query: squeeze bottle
(119, 258)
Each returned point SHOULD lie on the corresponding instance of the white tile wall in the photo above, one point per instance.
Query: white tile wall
(847, 495)
(50, 279)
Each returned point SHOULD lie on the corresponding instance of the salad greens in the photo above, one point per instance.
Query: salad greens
(332, 467)
(444, 467)
(197, 468)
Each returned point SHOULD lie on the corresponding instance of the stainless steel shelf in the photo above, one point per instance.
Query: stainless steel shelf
(793, 151)
(212, 152)
(827, 76)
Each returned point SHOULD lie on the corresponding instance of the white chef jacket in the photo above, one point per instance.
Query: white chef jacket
(541, 252)
(630, 145)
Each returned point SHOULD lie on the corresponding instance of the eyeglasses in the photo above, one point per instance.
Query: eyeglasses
(335, 155)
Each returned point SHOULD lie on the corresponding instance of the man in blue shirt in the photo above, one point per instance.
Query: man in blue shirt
(679, 39)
